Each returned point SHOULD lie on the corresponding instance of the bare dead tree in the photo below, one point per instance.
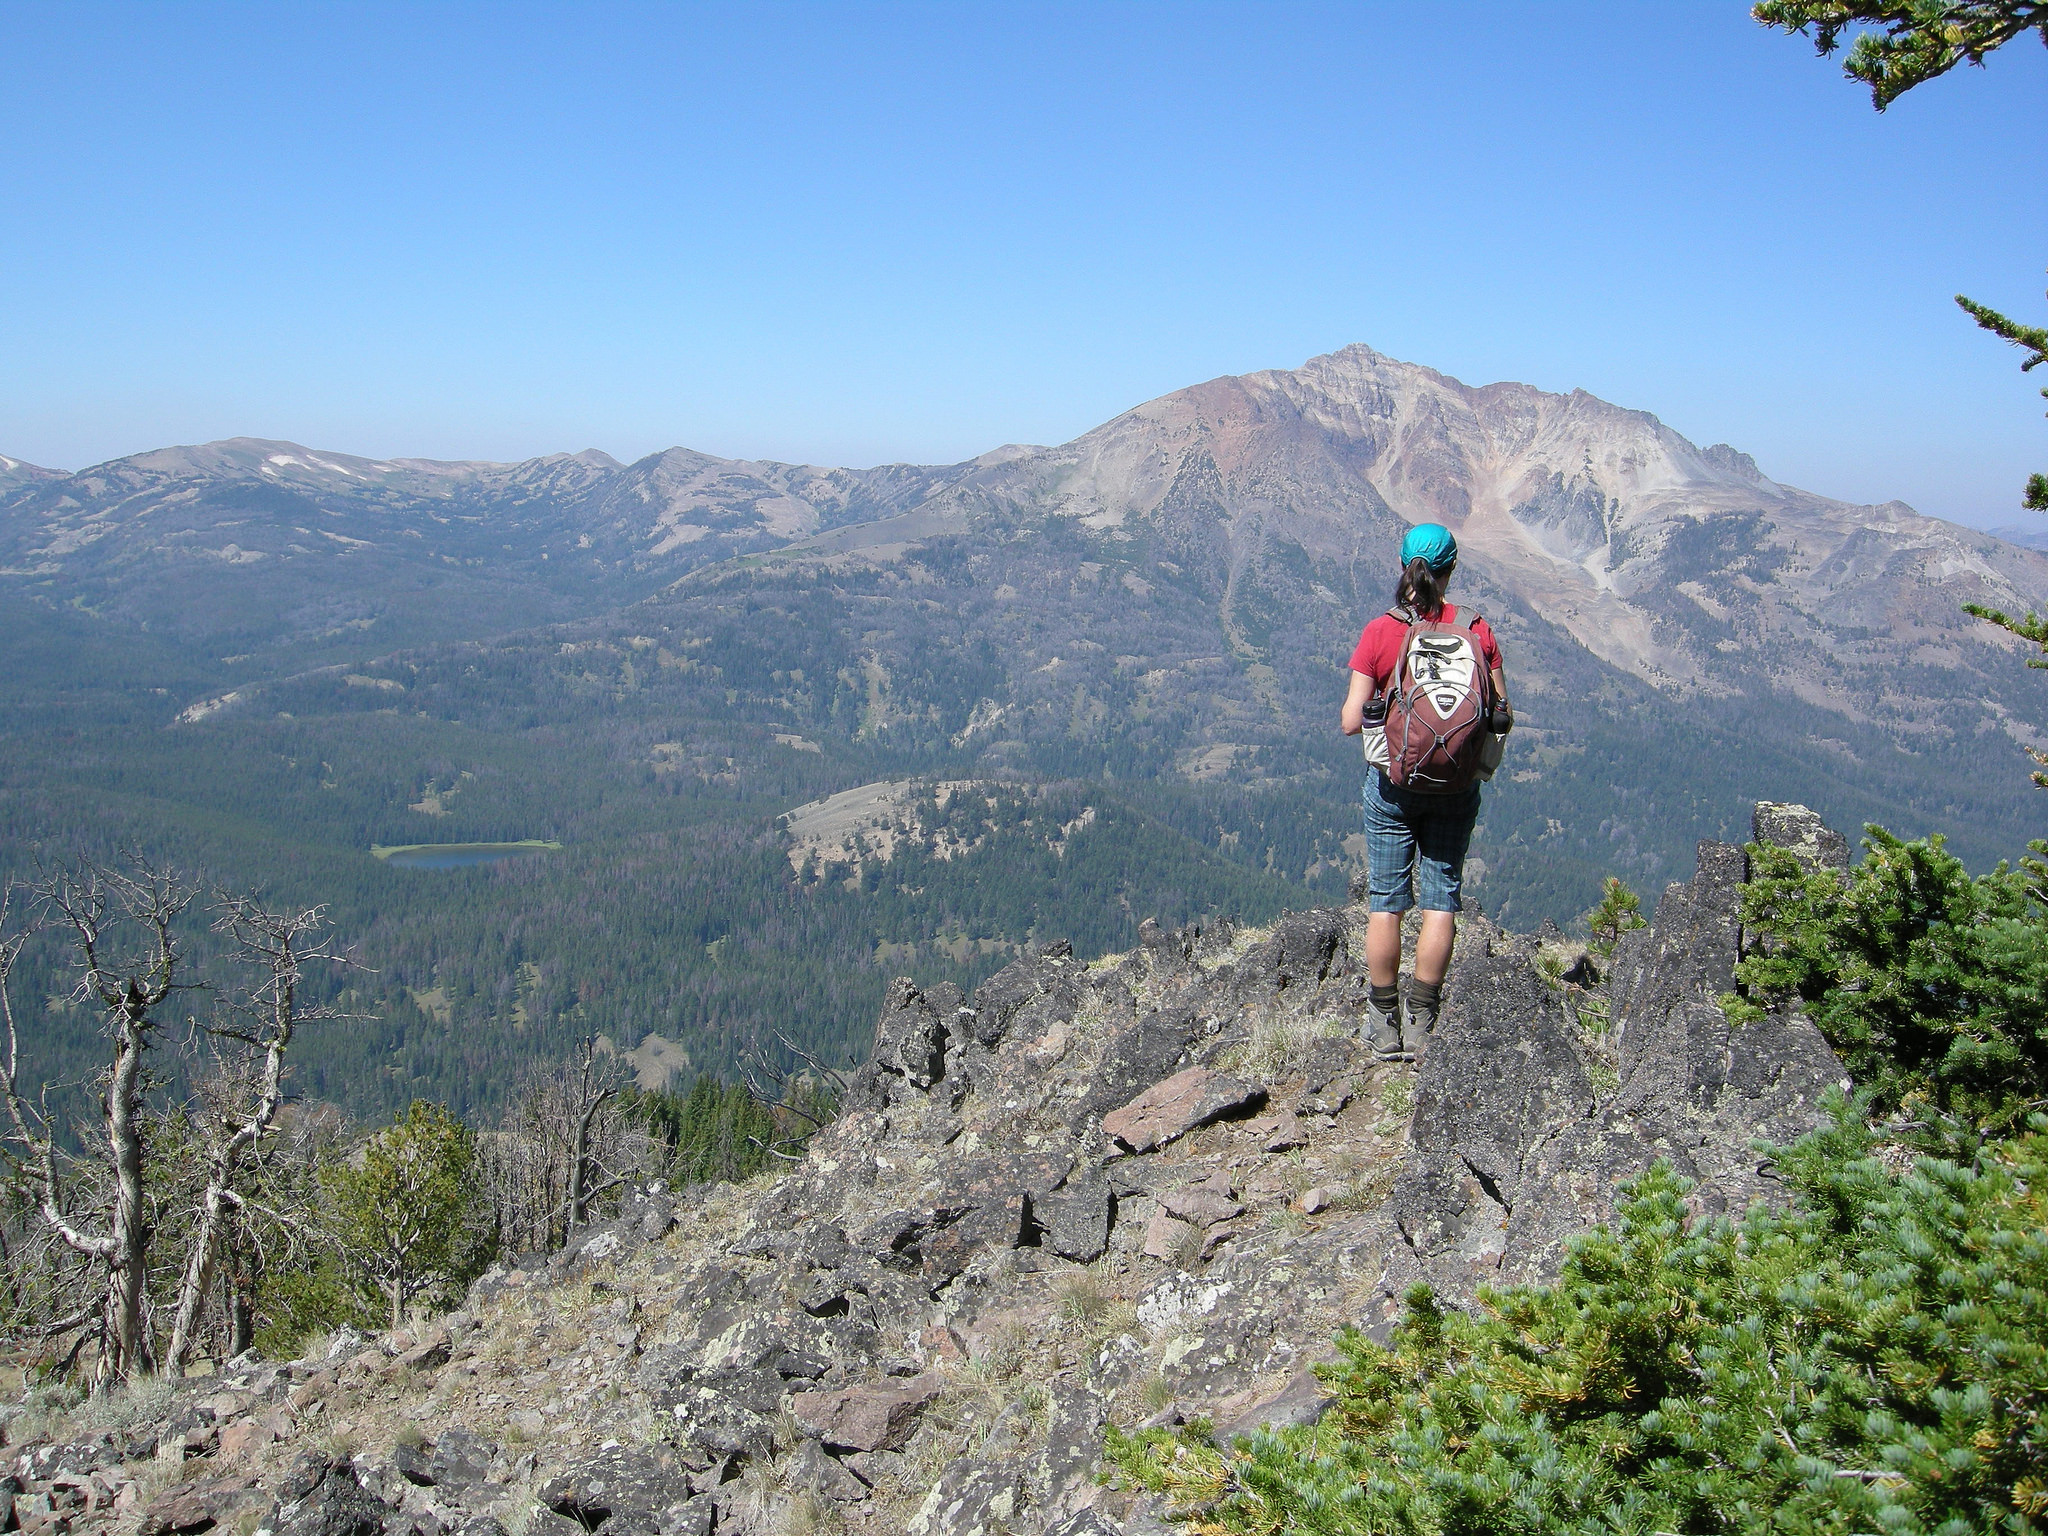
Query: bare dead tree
(800, 1103)
(277, 1224)
(253, 1033)
(563, 1148)
(122, 928)
(594, 1085)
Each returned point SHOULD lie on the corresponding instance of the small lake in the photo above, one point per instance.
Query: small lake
(460, 855)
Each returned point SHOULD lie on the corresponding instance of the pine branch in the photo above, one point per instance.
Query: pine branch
(2033, 627)
(1910, 41)
(2031, 339)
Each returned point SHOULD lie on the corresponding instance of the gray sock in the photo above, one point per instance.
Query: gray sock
(1386, 999)
(1425, 996)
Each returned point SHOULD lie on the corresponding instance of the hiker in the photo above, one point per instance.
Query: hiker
(1429, 695)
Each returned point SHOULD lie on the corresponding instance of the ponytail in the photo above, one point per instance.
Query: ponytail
(1421, 590)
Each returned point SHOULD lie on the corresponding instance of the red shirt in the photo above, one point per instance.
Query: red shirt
(1379, 648)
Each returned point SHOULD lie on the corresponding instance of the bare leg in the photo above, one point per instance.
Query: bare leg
(1432, 947)
(1383, 948)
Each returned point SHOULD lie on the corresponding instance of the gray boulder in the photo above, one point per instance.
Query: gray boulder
(910, 1049)
(622, 1492)
(1076, 1220)
(1169, 1110)
(971, 1498)
(1301, 1402)
(322, 1496)
(1145, 1053)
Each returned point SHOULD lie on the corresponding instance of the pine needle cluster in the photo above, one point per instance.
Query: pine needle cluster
(1907, 42)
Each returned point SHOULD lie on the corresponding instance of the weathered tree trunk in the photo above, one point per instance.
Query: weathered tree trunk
(241, 1320)
(200, 1267)
(116, 1235)
(126, 1350)
(580, 1160)
(270, 941)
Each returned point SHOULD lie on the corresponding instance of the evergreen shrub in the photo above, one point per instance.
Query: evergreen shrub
(1872, 1359)
(1931, 985)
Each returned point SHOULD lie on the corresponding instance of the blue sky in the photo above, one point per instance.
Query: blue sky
(862, 232)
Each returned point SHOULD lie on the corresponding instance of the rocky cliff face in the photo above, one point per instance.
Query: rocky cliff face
(1149, 1188)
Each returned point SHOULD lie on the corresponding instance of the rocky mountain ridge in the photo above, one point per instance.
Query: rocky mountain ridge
(1683, 566)
(2025, 537)
(565, 533)
(1147, 1189)
(647, 509)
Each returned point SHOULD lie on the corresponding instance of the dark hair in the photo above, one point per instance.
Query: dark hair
(1421, 590)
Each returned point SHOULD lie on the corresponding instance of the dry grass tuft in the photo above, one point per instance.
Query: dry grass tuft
(118, 1407)
(1082, 1297)
(1118, 1318)
(807, 1513)
(1280, 1042)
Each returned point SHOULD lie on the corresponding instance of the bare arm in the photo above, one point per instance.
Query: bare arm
(1363, 690)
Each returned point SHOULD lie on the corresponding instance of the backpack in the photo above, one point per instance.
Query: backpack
(1438, 736)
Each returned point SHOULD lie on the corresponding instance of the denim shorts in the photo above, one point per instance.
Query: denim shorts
(1425, 834)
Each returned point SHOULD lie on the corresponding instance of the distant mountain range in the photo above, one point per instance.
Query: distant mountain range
(1682, 566)
(1153, 617)
(2027, 538)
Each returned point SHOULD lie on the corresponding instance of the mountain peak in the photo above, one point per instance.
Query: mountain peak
(19, 472)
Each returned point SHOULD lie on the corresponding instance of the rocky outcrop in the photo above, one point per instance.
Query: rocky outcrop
(1514, 1150)
(1141, 1190)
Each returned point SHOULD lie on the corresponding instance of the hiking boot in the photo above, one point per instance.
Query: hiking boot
(1383, 1032)
(1416, 1028)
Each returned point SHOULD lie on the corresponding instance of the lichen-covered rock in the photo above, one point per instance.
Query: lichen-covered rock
(811, 1468)
(199, 1507)
(1076, 1219)
(1301, 1402)
(621, 1491)
(1801, 833)
(971, 1498)
(1136, 1058)
(718, 1425)
(1210, 1201)
(1513, 1153)
(322, 1497)
(910, 1048)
